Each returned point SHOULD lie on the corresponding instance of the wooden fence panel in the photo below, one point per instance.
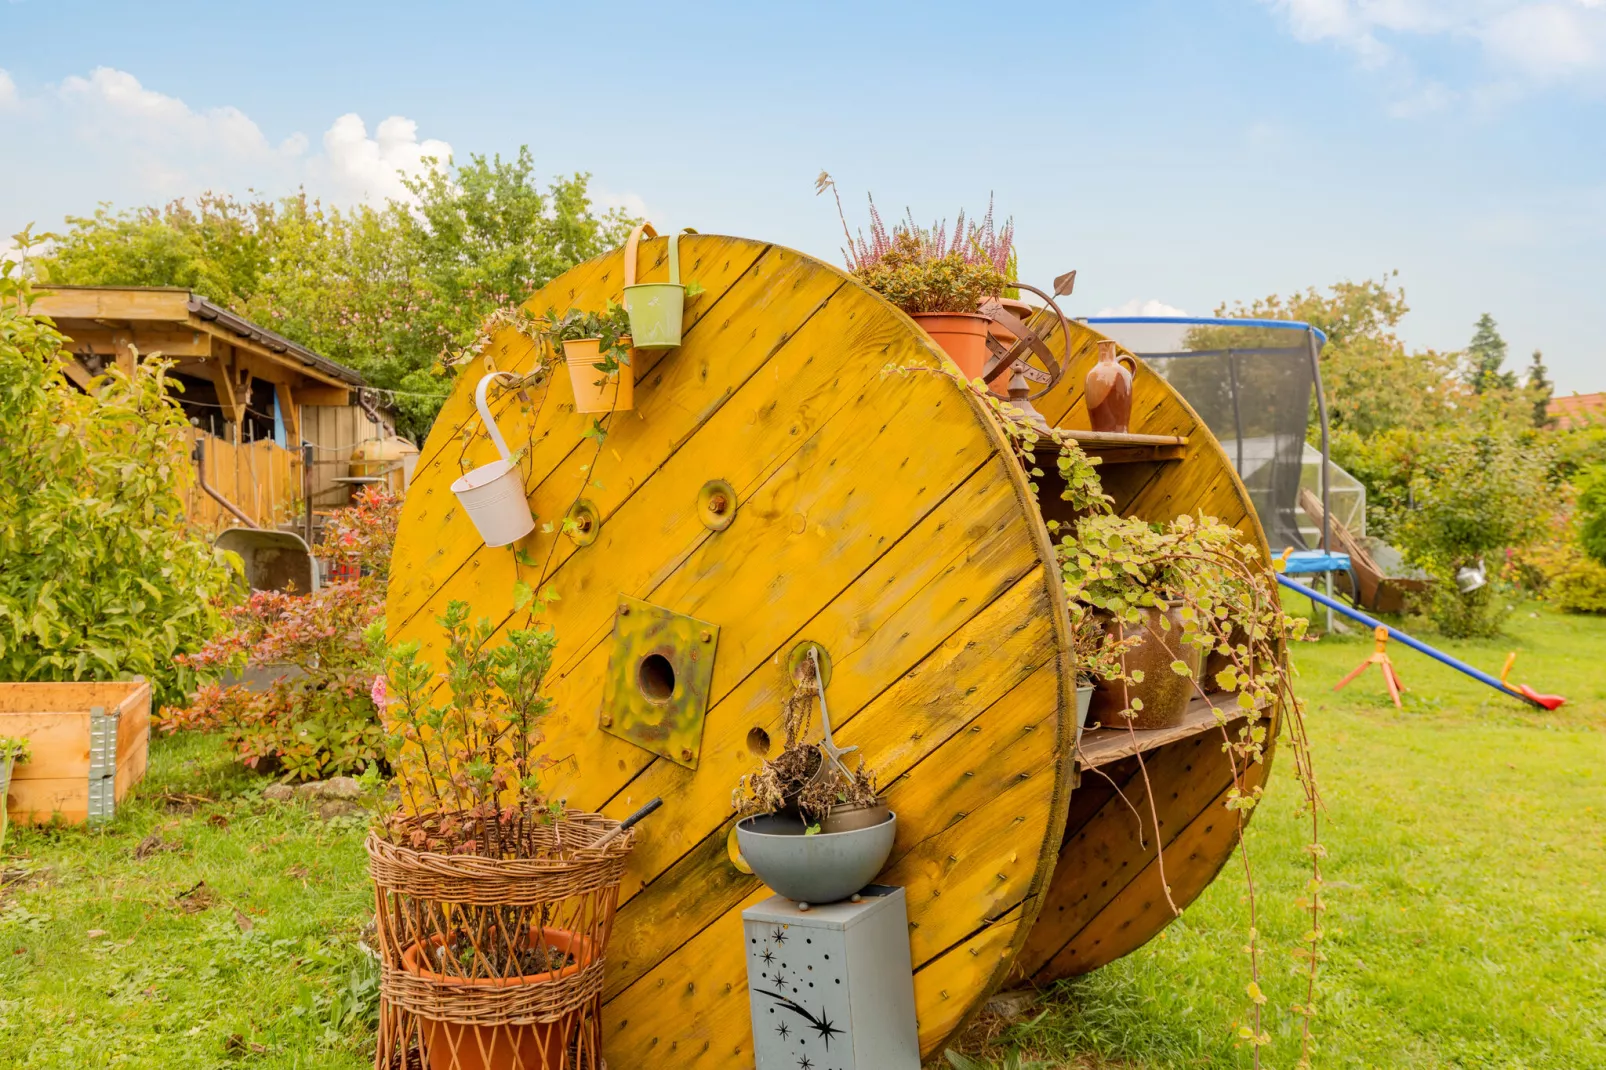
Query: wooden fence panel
(261, 478)
(334, 432)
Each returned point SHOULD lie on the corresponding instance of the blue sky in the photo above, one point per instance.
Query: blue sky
(1178, 154)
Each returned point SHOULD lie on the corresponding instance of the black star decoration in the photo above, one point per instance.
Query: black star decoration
(779, 935)
(768, 957)
(820, 1024)
(783, 1030)
(805, 1063)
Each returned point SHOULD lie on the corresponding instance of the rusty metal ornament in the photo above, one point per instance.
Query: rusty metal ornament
(1029, 343)
(716, 504)
(659, 673)
(587, 523)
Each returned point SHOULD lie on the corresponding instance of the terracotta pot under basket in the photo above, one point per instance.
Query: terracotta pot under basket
(962, 335)
(529, 1046)
(1165, 694)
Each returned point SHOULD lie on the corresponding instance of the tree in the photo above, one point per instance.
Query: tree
(217, 247)
(1486, 355)
(386, 290)
(1540, 390)
(1371, 383)
(1591, 515)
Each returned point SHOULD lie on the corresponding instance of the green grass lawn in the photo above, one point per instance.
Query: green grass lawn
(1466, 890)
(113, 960)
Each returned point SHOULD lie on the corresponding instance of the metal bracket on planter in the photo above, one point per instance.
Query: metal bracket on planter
(659, 675)
(102, 764)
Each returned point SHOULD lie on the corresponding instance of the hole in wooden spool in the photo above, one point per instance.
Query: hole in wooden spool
(758, 741)
(656, 678)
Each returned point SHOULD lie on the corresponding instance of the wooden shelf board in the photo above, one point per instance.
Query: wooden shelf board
(1101, 746)
(1123, 448)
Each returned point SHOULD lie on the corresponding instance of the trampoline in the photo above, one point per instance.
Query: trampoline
(1254, 382)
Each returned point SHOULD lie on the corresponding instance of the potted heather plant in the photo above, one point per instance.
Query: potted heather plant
(597, 349)
(940, 278)
(496, 901)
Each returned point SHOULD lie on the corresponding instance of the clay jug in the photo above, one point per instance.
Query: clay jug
(1109, 390)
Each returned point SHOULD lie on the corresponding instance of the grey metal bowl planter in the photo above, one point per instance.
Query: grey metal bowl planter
(822, 868)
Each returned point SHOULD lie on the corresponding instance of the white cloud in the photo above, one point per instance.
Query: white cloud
(630, 203)
(1522, 43)
(371, 168)
(170, 149)
(1548, 41)
(1138, 306)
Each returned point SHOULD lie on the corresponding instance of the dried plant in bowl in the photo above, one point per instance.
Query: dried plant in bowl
(802, 778)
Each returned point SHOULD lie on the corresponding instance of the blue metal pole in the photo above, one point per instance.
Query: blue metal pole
(1395, 633)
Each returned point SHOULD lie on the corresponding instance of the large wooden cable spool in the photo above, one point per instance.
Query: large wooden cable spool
(877, 515)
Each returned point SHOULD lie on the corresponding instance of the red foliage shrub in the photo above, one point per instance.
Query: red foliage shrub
(318, 719)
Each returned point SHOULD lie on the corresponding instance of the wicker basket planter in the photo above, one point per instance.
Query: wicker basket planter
(478, 1008)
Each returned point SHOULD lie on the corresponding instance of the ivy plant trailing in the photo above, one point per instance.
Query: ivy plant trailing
(101, 576)
(1112, 567)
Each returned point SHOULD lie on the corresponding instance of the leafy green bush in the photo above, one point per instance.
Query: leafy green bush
(101, 577)
(1473, 494)
(1581, 588)
(1592, 512)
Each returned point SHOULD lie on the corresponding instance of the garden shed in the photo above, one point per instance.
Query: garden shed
(254, 396)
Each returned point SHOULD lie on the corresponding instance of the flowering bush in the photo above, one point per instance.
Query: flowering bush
(318, 719)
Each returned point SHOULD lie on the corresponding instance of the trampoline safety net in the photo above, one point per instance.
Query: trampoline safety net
(1252, 384)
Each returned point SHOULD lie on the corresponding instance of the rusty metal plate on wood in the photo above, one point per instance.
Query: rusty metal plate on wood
(659, 673)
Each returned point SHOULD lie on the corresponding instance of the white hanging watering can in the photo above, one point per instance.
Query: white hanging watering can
(493, 494)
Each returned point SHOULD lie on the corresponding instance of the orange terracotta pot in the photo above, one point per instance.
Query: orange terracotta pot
(535, 1046)
(1165, 694)
(962, 335)
(594, 391)
(1109, 389)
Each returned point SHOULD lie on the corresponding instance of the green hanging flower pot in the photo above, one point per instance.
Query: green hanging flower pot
(656, 308)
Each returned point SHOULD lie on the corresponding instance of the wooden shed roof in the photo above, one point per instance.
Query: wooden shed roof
(178, 323)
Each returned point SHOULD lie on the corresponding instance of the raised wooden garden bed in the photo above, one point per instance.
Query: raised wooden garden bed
(89, 743)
